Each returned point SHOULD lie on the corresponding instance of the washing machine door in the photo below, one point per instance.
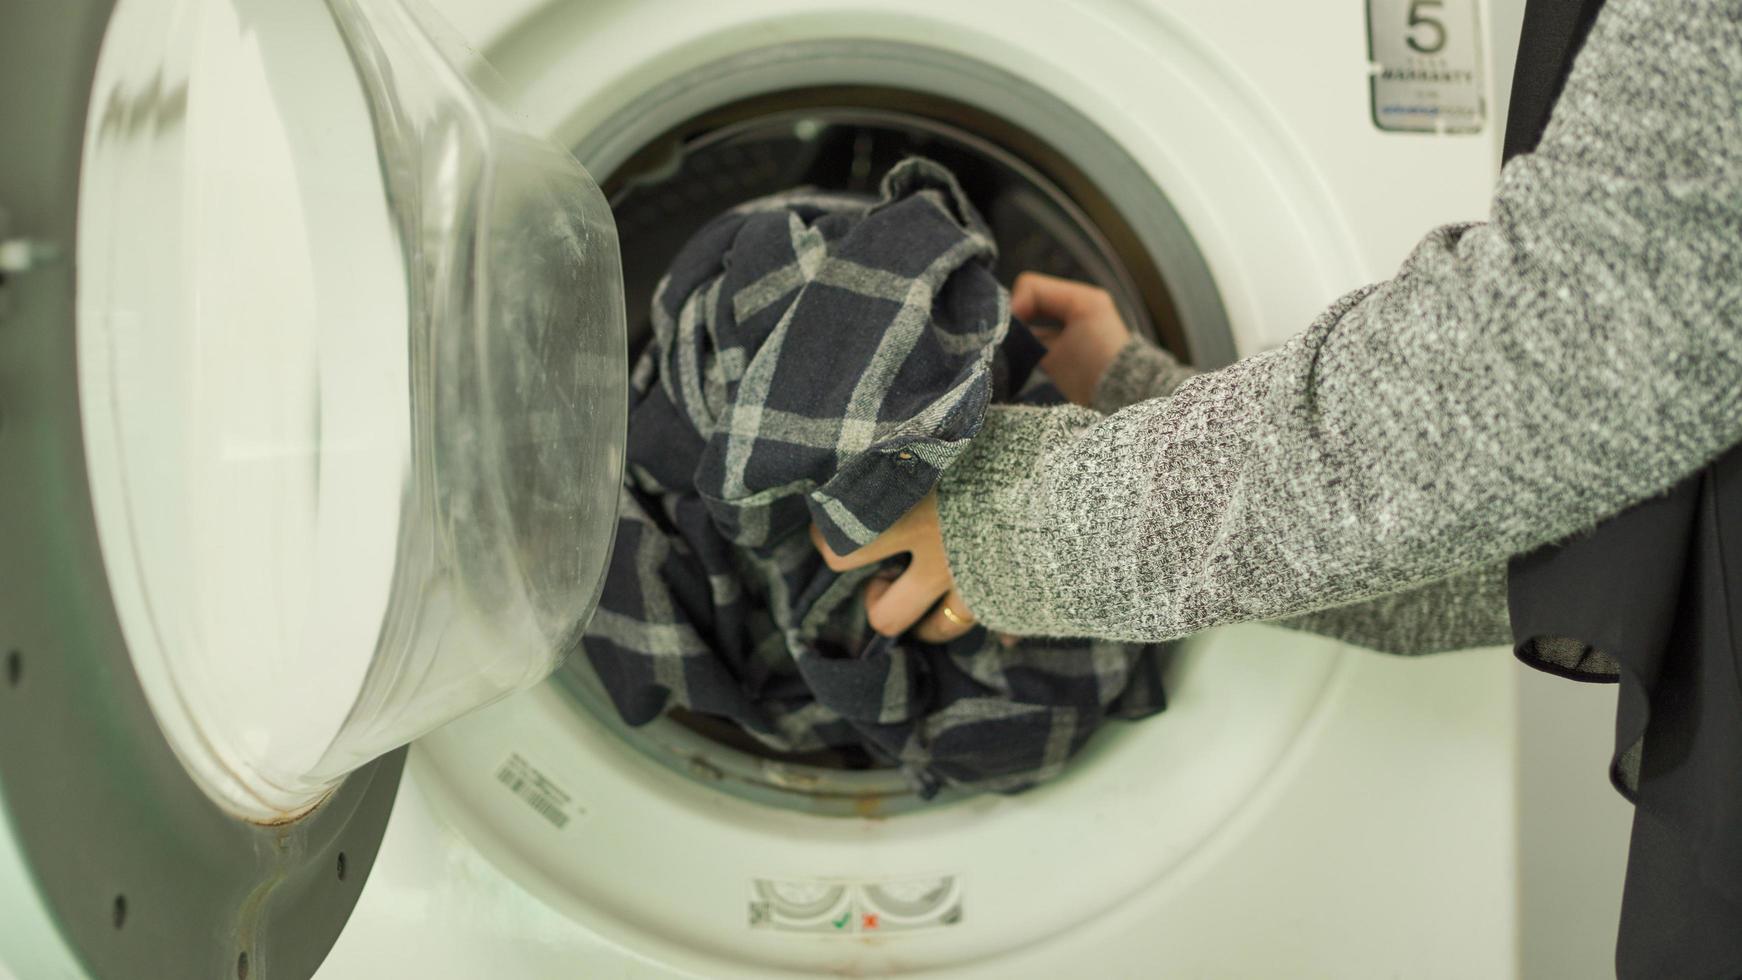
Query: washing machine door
(312, 406)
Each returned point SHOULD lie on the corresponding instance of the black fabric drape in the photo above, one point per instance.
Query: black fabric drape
(1651, 599)
(1553, 32)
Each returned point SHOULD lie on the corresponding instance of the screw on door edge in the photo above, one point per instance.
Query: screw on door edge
(21, 255)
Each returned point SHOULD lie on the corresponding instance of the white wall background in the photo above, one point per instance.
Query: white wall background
(1573, 829)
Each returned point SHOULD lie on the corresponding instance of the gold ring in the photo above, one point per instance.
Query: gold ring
(950, 614)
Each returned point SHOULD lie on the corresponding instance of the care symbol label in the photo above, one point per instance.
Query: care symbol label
(834, 907)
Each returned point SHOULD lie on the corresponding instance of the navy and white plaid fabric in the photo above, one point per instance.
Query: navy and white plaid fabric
(822, 357)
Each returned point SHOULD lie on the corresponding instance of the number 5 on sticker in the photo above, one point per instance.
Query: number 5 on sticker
(1419, 17)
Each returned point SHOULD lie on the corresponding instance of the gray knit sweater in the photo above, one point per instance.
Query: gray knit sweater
(1515, 383)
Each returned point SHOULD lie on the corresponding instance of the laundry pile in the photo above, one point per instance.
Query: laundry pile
(824, 358)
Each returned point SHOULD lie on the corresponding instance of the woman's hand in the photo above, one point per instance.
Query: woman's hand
(893, 607)
(1078, 354)
(1092, 335)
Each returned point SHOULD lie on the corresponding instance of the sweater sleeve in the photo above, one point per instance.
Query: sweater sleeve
(1515, 383)
(1455, 613)
(1140, 371)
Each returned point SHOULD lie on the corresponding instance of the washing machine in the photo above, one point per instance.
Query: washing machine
(313, 343)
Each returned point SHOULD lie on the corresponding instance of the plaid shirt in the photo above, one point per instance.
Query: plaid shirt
(823, 358)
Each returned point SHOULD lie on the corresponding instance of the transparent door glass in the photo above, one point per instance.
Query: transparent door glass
(351, 373)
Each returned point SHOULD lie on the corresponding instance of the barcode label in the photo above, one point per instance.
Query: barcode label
(532, 786)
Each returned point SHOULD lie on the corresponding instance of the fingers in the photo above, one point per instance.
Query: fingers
(916, 531)
(1036, 296)
(937, 627)
(894, 608)
(875, 589)
(948, 621)
(887, 544)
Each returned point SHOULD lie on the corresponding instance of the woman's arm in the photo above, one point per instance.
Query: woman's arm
(1141, 371)
(1455, 613)
(1515, 383)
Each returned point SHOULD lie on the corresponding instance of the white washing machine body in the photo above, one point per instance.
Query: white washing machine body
(1301, 809)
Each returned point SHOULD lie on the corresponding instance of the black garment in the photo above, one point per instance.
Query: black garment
(1653, 599)
(1650, 599)
(1553, 32)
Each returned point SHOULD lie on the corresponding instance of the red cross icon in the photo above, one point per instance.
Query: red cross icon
(869, 921)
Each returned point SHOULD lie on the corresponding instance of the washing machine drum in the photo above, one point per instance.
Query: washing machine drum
(322, 451)
(846, 142)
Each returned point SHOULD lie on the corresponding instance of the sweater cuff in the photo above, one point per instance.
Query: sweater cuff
(1000, 543)
(1139, 372)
